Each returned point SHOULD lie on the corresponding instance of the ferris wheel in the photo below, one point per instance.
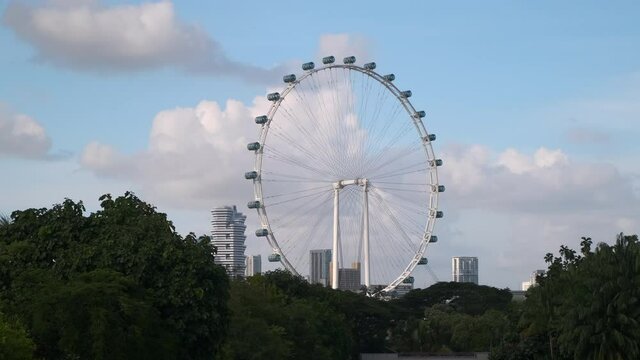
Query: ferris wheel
(345, 167)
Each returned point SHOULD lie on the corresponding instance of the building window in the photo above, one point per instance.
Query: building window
(228, 236)
(228, 246)
(227, 256)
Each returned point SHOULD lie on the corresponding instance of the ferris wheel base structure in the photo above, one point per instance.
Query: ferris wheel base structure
(345, 128)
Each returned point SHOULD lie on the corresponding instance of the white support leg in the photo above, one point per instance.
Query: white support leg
(336, 234)
(365, 234)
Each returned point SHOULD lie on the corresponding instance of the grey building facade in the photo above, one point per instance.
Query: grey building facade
(319, 261)
(464, 269)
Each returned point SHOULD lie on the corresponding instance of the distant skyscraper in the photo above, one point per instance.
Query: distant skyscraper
(533, 279)
(464, 269)
(348, 278)
(227, 231)
(402, 289)
(253, 265)
(319, 266)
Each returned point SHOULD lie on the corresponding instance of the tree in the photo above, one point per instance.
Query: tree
(95, 315)
(170, 276)
(467, 298)
(15, 343)
(273, 316)
(601, 313)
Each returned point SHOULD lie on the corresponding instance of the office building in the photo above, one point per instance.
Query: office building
(253, 265)
(464, 269)
(227, 232)
(533, 279)
(402, 289)
(319, 261)
(348, 278)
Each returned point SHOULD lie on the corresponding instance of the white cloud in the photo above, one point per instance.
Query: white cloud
(195, 158)
(22, 136)
(90, 36)
(544, 182)
(517, 206)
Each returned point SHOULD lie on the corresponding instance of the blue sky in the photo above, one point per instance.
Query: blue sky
(500, 81)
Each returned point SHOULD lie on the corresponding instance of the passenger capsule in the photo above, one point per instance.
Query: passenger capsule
(253, 146)
(308, 66)
(261, 119)
(273, 96)
(274, 257)
(430, 137)
(289, 78)
(253, 204)
(436, 162)
(251, 175)
(328, 60)
(370, 66)
(262, 232)
(421, 114)
(433, 239)
(439, 214)
(437, 188)
(423, 261)
(408, 280)
(406, 94)
(389, 77)
(349, 60)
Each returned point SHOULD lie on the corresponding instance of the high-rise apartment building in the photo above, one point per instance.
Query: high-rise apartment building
(227, 232)
(319, 261)
(253, 265)
(464, 269)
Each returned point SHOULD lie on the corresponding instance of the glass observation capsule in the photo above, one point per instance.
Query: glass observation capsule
(389, 77)
(349, 60)
(408, 280)
(423, 261)
(369, 66)
(273, 96)
(274, 257)
(406, 94)
(251, 175)
(430, 137)
(433, 239)
(421, 114)
(308, 66)
(328, 60)
(261, 119)
(289, 78)
(253, 204)
(439, 188)
(262, 232)
(439, 214)
(253, 146)
(436, 162)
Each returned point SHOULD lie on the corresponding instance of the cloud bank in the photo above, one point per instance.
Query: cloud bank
(196, 156)
(87, 35)
(23, 137)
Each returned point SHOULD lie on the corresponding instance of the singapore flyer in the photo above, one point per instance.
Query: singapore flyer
(344, 164)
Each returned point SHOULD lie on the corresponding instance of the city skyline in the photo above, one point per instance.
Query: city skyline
(536, 112)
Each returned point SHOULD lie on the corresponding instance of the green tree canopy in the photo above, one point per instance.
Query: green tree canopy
(467, 298)
(129, 269)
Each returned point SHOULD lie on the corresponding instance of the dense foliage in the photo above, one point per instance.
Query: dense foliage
(119, 283)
